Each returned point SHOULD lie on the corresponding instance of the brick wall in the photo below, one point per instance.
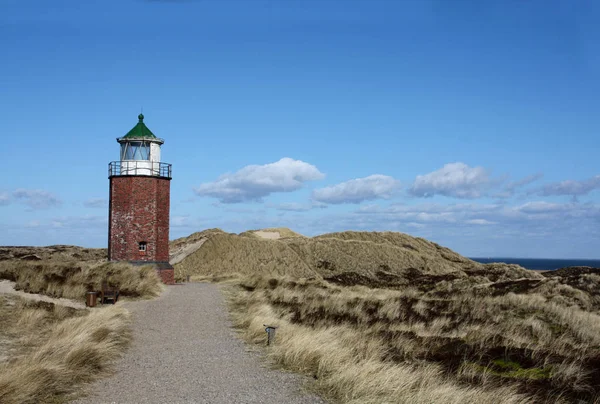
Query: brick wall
(138, 212)
(167, 276)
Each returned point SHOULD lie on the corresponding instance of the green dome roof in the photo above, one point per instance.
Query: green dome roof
(140, 130)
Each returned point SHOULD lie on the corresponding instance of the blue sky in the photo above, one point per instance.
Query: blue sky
(473, 124)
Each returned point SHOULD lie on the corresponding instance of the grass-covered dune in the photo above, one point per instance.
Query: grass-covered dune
(386, 317)
(371, 255)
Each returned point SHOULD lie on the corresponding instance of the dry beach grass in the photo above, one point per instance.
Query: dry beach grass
(48, 352)
(378, 345)
(72, 279)
(385, 317)
(372, 317)
(52, 351)
(365, 254)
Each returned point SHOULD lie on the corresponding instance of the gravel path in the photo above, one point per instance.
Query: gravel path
(185, 351)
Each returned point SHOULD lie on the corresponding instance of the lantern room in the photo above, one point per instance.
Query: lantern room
(140, 153)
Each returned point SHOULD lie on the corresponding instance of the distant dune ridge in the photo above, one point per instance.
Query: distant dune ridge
(53, 253)
(370, 258)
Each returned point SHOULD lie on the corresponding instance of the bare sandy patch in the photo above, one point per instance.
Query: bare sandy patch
(271, 235)
(182, 253)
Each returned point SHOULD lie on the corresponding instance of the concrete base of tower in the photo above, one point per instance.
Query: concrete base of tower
(164, 270)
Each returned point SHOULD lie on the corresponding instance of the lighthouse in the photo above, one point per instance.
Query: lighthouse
(138, 213)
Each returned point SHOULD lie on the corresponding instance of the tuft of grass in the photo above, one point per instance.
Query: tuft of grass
(54, 350)
(512, 370)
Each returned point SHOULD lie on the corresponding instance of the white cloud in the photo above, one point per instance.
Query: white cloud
(541, 207)
(456, 180)
(571, 187)
(4, 198)
(36, 198)
(96, 203)
(482, 222)
(358, 190)
(254, 182)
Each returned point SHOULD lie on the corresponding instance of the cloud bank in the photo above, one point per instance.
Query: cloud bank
(529, 216)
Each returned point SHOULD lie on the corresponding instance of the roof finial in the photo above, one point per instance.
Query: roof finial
(141, 117)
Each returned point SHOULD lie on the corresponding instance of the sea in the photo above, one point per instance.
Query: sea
(542, 263)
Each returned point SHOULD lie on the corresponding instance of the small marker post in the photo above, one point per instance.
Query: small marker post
(270, 334)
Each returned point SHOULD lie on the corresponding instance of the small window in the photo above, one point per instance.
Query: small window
(142, 246)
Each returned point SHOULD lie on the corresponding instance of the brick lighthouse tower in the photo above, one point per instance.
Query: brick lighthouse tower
(138, 215)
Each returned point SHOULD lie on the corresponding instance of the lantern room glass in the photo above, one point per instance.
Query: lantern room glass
(135, 151)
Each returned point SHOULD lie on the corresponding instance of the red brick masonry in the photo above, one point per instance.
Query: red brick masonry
(167, 276)
(139, 212)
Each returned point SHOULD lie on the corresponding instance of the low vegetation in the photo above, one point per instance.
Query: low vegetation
(72, 279)
(48, 352)
(372, 317)
(385, 317)
(444, 345)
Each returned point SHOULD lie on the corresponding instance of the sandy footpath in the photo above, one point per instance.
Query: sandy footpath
(185, 351)
(8, 288)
